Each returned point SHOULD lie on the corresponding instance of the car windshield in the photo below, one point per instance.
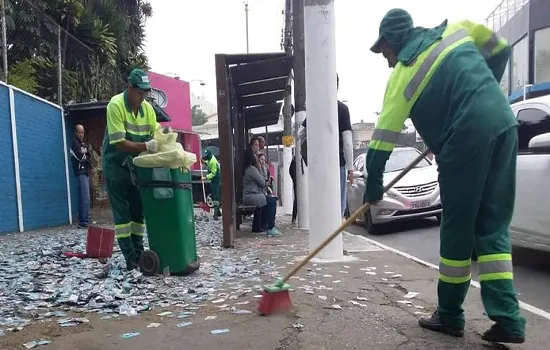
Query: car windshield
(399, 160)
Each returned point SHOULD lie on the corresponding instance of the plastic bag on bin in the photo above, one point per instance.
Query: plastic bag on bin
(170, 155)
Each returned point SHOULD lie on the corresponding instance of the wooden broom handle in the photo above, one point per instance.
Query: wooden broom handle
(352, 218)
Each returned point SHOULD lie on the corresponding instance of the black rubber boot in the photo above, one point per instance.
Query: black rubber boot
(433, 323)
(498, 335)
(131, 265)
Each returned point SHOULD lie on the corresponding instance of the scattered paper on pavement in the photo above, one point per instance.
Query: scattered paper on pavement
(410, 295)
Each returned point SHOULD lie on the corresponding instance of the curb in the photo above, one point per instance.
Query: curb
(527, 307)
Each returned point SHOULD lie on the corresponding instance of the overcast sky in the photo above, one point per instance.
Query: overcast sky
(184, 35)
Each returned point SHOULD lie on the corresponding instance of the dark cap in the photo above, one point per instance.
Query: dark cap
(139, 79)
(395, 24)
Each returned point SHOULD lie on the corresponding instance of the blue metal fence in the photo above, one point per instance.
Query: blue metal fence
(34, 174)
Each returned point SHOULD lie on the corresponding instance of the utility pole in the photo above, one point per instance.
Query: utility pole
(288, 138)
(322, 127)
(246, 21)
(299, 110)
(4, 40)
(59, 69)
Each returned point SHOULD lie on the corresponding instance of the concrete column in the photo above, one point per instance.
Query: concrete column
(322, 127)
(301, 179)
(288, 197)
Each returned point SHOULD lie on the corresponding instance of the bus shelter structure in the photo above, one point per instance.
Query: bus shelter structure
(250, 89)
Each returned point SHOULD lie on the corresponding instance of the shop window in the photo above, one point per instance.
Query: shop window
(520, 64)
(505, 82)
(542, 56)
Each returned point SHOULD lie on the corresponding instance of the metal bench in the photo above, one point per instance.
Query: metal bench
(243, 210)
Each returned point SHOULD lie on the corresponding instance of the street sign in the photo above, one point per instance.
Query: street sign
(288, 140)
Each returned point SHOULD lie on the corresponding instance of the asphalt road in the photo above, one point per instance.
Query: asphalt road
(420, 238)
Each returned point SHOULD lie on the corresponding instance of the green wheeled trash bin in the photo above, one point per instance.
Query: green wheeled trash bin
(167, 198)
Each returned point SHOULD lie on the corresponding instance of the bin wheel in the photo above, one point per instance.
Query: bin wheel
(149, 263)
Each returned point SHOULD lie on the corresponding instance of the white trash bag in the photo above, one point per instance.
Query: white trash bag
(170, 154)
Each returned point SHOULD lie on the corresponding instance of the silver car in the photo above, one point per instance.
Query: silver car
(415, 196)
(530, 227)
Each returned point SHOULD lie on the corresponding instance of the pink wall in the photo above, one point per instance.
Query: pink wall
(178, 108)
(179, 100)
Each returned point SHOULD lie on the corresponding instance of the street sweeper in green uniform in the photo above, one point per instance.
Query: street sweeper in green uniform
(446, 79)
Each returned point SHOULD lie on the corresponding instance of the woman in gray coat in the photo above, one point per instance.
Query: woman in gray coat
(254, 193)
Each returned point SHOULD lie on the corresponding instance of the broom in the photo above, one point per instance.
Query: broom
(276, 297)
(205, 208)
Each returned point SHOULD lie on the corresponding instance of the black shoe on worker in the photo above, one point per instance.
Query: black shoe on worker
(131, 265)
(434, 323)
(498, 335)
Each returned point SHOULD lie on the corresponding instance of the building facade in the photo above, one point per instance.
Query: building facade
(362, 134)
(526, 26)
(206, 106)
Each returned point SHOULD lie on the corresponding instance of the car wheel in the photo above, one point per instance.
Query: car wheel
(438, 217)
(371, 228)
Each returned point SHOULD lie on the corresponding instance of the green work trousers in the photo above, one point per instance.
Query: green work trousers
(128, 217)
(477, 194)
(216, 189)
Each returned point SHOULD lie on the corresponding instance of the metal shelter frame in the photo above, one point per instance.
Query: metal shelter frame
(250, 89)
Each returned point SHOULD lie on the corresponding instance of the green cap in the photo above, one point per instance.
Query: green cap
(139, 78)
(395, 26)
(206, 154)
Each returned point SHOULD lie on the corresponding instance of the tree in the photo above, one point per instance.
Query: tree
(198, 117)
(102, 41)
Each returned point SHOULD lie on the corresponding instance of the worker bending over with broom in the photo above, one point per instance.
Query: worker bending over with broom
(131, 122)
(446, 79)
(213, 176)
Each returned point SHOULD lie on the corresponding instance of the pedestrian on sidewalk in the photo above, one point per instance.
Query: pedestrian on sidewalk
(81, 161)
(292, 172)
(446, 79)
(131, 122)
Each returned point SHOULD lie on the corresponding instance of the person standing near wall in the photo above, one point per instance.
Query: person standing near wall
(81, 161)
(131, 122)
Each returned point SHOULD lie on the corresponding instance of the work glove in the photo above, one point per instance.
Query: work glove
(152, 146)
(374, 190)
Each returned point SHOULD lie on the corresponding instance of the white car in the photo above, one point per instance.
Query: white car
(530, 227)
(415, 196)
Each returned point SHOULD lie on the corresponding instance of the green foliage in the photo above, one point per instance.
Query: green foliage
(101, 41)
(22, 75)
(198, 117)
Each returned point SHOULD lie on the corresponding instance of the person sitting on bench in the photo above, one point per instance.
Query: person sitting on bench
(254, 194)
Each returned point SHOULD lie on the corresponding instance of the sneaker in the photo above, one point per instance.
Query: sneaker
(82, 226)
(273, 233)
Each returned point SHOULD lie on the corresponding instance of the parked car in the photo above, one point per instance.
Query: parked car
(530, 227)
(415, 196)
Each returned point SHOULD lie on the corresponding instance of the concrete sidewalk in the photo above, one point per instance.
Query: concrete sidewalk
(360, 304)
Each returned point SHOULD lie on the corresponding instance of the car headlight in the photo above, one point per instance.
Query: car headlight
(390, 194)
